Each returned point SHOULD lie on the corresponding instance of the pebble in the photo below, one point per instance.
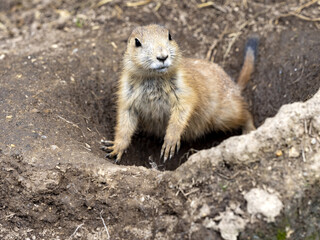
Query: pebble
(293, 152)
(313, 141)
(278, 153)
(74, 51)
(54, 147)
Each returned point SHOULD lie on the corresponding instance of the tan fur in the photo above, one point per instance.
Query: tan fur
(247, 69)
(187, 100)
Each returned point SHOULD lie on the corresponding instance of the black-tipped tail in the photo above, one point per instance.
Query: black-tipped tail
(252, 44)
(250, 55)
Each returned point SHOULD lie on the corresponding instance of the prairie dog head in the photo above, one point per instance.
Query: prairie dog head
(152, 50)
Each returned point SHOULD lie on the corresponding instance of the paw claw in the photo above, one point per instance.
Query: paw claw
(166, 154)
(107, 149)
(162, 151)
(107, 142)
(118, 159)
(111, 154)
(178, 146)
(113, 150)
(171, 154)
(169, 148)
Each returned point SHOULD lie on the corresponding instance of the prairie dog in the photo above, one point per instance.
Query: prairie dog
(174, 97)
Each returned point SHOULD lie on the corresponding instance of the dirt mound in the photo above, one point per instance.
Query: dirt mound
(59, 64)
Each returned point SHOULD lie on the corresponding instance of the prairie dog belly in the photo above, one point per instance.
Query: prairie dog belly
(153, 107)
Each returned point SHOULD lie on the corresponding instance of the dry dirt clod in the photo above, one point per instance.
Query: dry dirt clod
(261, 202)
(293, 152)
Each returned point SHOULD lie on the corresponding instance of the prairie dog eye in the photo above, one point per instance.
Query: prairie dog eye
(138, 43)
(170, 38)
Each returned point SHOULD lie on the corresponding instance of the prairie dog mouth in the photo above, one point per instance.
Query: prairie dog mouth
(162, 68)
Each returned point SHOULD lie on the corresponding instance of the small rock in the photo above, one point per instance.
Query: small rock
(313, 141)
(230, 225)
(34, 110)
(204, 211)
(262, 202)
(289, 232)
(74, 51)
(54, 147)
(293, 152)
(209, 223)
(279, 153)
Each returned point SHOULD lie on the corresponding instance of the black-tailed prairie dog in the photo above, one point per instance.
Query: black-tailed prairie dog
(173, 97)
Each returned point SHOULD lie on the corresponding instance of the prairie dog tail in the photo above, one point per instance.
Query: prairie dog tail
(250, 55)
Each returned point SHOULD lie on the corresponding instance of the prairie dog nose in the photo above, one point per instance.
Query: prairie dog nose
(162, 54)
(162, 58)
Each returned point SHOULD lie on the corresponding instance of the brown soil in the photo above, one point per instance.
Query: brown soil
(58, 73)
